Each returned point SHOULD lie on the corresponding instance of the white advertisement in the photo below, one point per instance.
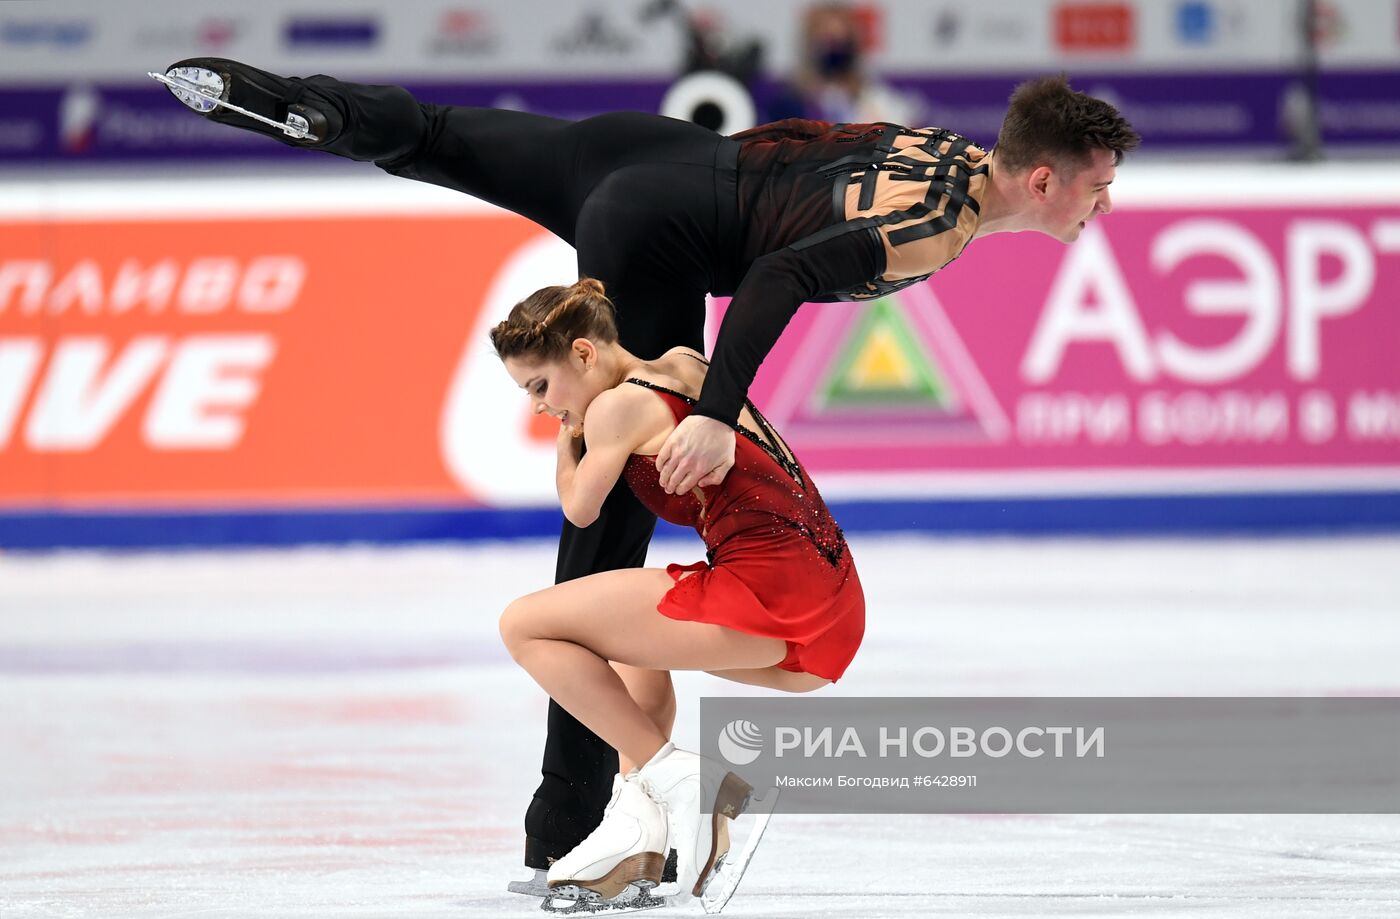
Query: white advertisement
(43, 40)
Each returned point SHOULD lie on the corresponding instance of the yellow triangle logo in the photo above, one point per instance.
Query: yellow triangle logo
(881, 363)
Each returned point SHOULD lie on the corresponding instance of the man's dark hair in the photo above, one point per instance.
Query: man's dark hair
(1048, 121)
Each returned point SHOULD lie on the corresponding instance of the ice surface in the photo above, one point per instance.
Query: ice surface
(339, 733)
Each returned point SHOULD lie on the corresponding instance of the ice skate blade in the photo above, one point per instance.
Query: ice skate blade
(537, 886)
(572, 900)
(578, 900)
(202, 90)
(723, 879)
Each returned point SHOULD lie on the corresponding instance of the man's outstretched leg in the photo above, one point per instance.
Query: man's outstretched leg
(544, 169)
(517, 160)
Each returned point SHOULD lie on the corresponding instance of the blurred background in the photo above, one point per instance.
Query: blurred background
(210, 338)
(241, 385)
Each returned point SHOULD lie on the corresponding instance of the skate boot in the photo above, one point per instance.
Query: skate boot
(701, 797)
(235, 94)
(578, 775)
(560, 823)
(627, 848)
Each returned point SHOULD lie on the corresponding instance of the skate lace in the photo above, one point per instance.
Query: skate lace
(652, 793)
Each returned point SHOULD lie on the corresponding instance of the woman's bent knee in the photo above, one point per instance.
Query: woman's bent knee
(514, 625)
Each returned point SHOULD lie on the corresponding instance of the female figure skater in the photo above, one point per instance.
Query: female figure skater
(777, 603)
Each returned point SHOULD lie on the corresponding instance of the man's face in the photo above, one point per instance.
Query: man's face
(1069, 200)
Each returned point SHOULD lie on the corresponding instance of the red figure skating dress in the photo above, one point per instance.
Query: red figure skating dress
(777, 565)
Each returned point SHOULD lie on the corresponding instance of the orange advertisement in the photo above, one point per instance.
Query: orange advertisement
(240, 360)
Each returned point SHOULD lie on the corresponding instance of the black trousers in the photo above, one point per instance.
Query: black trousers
(649, 205)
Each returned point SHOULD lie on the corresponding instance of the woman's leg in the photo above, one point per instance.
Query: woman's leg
(655, 696)
(774, 678)
(565, 636)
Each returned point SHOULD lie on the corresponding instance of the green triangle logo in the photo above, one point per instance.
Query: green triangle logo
(883, 362)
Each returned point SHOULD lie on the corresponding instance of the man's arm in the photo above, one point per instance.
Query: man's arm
(841, 257)
(700, 451)
(772, 290)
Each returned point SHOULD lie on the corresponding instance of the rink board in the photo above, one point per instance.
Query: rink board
(265, 361)
(1174, 515)
(1188, 75)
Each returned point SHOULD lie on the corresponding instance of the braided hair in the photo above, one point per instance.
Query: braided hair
(543, 326)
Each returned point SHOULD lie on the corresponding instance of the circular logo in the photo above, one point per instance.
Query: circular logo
(484, 426)
(740, 742)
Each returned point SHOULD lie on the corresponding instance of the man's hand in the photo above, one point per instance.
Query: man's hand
(700, 451)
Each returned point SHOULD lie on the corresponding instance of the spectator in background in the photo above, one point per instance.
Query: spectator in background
(833, 82)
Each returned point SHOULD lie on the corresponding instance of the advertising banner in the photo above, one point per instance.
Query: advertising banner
(1167, 339)
(116, 40)
(323, 343)
(238, 360)
(1192, 75)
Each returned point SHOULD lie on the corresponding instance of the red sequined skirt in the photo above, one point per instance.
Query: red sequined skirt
(777, 588)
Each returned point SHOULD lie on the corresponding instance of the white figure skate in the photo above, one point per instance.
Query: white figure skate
(621, 861)
(702, 799)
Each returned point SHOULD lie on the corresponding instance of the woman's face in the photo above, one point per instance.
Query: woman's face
(563, 388)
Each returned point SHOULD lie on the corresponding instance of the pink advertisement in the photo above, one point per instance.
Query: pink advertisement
(1241, 345)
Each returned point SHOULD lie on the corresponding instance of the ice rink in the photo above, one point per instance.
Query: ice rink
(339, 733)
